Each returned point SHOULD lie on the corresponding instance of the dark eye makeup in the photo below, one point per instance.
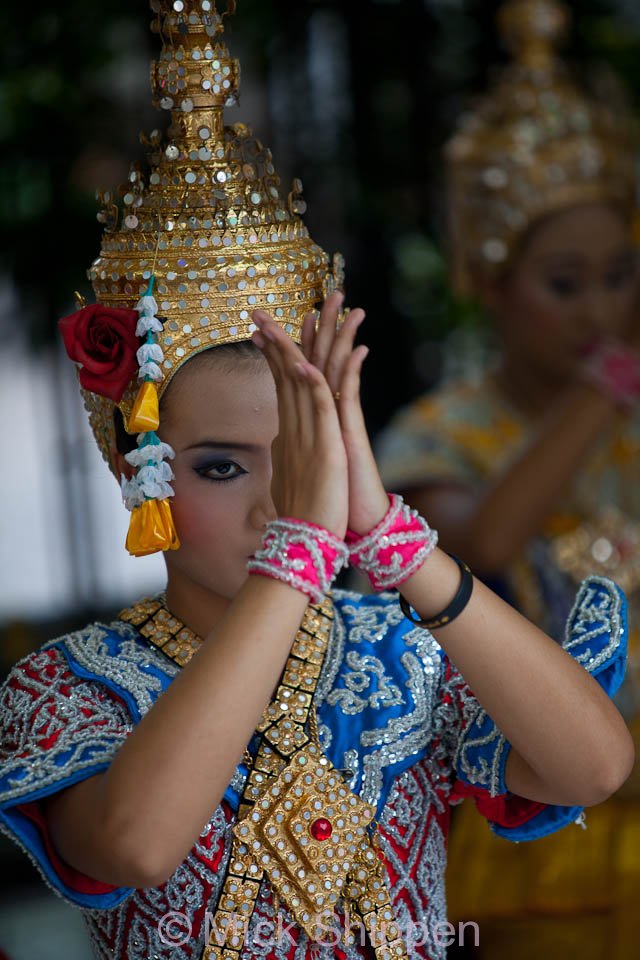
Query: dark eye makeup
(563, 286)
(620, 277)
(220, 471)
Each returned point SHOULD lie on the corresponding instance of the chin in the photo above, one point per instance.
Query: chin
(230, 585)
(560, 370)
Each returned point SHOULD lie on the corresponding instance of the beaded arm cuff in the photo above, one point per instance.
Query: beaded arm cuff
(614, 368)
(395, 548)
(302, 554)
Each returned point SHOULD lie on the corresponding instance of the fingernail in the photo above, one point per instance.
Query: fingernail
(261, 320)
(265, 332)
(258, 339)
(302, 370)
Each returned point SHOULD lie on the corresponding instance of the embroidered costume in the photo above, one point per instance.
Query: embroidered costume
(342, 801)
(394, 716)
(535, 145)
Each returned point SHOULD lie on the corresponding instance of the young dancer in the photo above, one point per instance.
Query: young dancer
(252, 764)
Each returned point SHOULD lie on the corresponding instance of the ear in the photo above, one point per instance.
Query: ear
(120, 465)
(490, 291)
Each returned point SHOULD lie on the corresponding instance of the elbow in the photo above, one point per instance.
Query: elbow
(149, 877)
(141, 869)
(137, 859)
(612, 771)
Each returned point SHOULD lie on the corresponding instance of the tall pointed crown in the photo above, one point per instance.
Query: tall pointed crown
(209, 221)
(535, 145)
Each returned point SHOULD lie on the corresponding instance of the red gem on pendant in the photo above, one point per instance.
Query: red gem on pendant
(321, 829)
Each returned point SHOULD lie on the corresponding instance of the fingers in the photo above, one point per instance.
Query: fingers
(275, 335)
(284, 355)
(308, 334)
(326, 422)
(350, 385)
(288, 414)
(308, 456)
(326, 332)
(326, 345)
(350, 407)
(295, 404)
(342, 348)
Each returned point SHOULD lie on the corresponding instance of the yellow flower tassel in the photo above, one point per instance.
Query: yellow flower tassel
(151, 529)
(145, 415)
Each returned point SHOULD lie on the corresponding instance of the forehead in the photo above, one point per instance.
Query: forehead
(230, 400)
(589, 231)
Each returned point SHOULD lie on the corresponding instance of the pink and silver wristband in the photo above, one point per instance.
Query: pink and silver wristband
(614, 369)
(396, 547)
(302, 554)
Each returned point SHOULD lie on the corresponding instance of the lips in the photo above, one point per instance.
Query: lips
(587, 348)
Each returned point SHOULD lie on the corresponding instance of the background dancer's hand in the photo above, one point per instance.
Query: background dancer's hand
(330, 349)
(310, 480)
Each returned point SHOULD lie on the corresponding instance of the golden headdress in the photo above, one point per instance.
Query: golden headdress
(535, 145)
(205, 237)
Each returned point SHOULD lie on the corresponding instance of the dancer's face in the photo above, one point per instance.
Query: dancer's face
(575, 280)
(221, 421)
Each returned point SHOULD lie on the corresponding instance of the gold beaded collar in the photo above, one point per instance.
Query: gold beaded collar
(299, 825)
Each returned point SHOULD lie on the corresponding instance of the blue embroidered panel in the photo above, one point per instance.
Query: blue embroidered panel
(596, 636)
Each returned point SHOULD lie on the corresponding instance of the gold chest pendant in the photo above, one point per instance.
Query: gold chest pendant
(299, 825)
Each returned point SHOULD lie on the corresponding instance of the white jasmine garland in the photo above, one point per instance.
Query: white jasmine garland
(155, 472)
(150, 370)
(150, 453)
(149, 351)
(156, 489)
(148, 324)
(152, 478)
(147, 306)
(132, 495)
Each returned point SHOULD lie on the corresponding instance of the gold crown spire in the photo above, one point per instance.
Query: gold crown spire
(194, 77)
(210, 221)
(532, 29)
(534, 145)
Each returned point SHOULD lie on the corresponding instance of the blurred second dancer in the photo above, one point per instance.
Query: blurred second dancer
(531, 474)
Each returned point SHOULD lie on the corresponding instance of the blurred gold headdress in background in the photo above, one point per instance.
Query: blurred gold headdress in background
(536, 144)
(194, 245)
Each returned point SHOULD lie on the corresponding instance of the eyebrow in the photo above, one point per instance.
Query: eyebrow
(224, 445)
(571, 259)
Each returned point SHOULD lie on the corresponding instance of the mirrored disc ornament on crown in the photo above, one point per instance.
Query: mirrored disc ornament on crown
(210, 220)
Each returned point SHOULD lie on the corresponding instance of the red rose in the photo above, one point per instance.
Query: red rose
(103, 340)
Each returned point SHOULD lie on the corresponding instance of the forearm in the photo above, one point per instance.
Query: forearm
(170, 774)
(571, 739)
(493, 527)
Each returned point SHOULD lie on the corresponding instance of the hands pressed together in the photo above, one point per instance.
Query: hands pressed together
(324, 470)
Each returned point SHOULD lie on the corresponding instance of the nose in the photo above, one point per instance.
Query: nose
(262, 512)
(600, 311)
